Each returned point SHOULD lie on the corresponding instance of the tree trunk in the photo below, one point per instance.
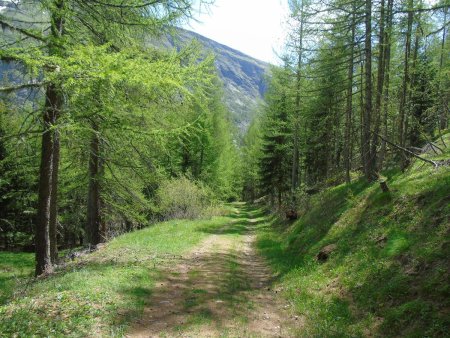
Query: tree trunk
(45, 231)
(380, 86)
(47, 181)
(349, 108)
(367, 158)
(410, 131)
(387, 58)
(296, 152)
(406, 78)
(361, 108)
(54, 200)
(94, 227)
(443, 120)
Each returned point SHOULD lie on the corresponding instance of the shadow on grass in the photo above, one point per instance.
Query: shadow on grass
(213, 292)
(13, 268)
(389, 263)
(245, 220)
(211, 288)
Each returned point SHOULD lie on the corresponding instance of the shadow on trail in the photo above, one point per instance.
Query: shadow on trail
(213, 288)
(246, 220)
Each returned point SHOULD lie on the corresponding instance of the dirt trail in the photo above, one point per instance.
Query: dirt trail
(220, 289)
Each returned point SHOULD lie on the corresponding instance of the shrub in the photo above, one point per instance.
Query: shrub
(182, 198)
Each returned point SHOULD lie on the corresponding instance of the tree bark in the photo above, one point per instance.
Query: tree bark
(53, 231)
(47, 182)
(45, 231)
(406, 78)
(443, 120)
(387, 58)
(380, 86)
(367, 157)
(94, 227)
(296, 152)
(349, 107)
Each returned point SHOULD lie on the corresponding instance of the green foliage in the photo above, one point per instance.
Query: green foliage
(181, 198)
(144, 106)
(18, 179)
(251, 153)
(335, 109)
(275, 161)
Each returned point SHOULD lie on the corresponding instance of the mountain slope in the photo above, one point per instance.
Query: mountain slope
(242, 75)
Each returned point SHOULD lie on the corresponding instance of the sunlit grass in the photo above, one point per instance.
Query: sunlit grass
(14, 267)
(100, 294)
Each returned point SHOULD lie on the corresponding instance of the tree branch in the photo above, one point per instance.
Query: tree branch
(406, 150)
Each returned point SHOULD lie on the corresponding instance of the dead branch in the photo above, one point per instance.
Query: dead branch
(406, 150)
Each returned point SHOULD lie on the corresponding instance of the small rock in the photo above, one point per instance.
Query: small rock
(325, 252)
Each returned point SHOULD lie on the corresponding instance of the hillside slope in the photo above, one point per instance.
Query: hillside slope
(243, 76)
(387, 274)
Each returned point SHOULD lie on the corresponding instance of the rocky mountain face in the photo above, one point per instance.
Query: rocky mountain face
(244, 77)
(5, 4)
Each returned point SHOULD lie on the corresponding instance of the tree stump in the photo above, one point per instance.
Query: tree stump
(291, 214)
(384, 187)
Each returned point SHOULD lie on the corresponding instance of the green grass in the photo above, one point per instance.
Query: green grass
(14, 268)
(389, 273)
(99, 294)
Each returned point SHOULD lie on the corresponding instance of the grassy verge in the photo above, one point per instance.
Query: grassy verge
(388, 275)
(14, 268)
(99, 294)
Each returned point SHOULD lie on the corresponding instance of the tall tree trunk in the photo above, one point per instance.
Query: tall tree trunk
(45, 231)
(380, 86)
(443, 119)
(349, 107)
(361, 108)
(409, 110)
(406, 78)
(47, 182)
(387, 64)
(369, 170)
(54, 199)
(296, 152)
(94, 227)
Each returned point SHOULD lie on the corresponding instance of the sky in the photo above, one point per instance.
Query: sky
(254, 27)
